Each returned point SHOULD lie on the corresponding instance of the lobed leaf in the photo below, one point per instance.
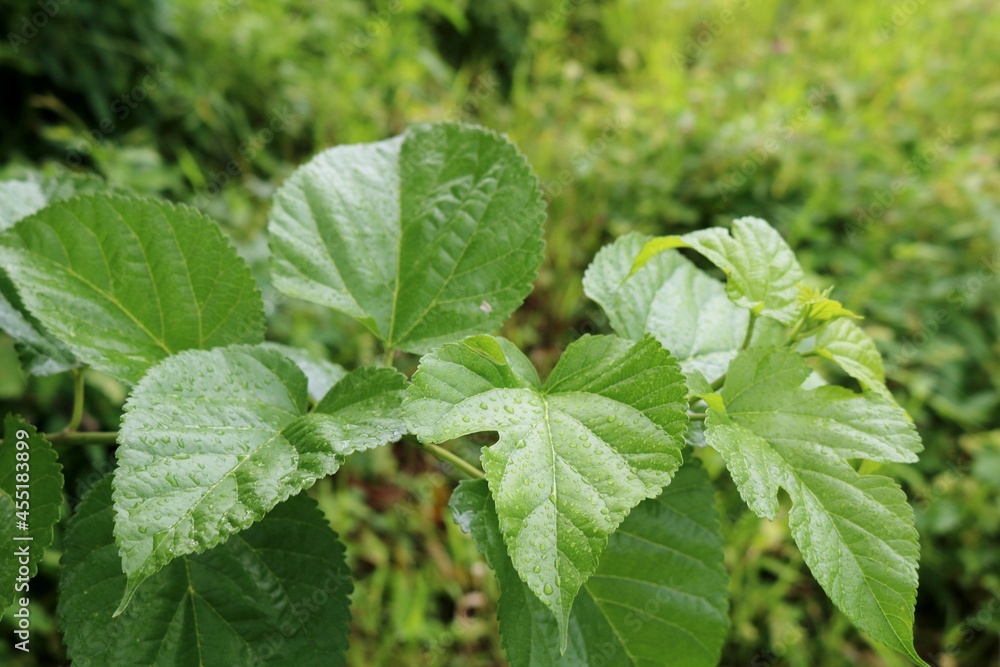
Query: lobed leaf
(320, 373)
(855, 531)
(125, 282)
(575, 454)
(276, 593)
(42, 503)
(684, 308)
(762, 272)
(212, 440)
(423, 238)
(661, 587)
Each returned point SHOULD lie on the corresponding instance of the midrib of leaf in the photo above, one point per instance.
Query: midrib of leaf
(323, 232)
(147, 266)
(130, 587)
(187, 274)
(194, 612)
(437, 296)
(101, 292)
(801, 483)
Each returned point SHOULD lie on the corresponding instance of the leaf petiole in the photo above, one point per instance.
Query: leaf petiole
(453, 459)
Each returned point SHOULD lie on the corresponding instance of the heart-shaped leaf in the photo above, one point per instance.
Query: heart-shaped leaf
(575, 454)
(424, 238)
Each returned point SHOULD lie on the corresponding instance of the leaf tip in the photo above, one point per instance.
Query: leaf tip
(488, 347)
(654, 247)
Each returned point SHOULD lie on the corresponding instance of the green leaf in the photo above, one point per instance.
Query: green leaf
(855, 531)
(668, 297)
(819, 307)
(685, 309)
(424, 238)
(212, 440)
(763, 274)
(31, 482)
(320, 373)
(40, 353)
(19, 199)
(660, 589)
(575, 454)
(126, 282)
(843, 342)
(274, 594)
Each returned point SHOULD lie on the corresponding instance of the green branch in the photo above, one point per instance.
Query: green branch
(81, 438)
(77, 416)
(453, 459)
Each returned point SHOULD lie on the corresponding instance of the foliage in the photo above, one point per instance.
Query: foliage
(864, 132)
(218, 434)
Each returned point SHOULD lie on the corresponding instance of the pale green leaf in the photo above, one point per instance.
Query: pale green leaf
(843, 342)
(38, 494)
(124, 282)
(660, 589)
(818, 306)
(684, 308)
(274, 594)
(19, 199)
(855, 531)
(762, 272)
(575, 454)
(424, 238)
(212, 440)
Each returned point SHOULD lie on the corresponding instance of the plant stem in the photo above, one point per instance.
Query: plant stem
(697, 416)
(77, 416)
(387, 359)
(719, 381)
(750, 328)
(455, 460)
(794, 333)
(81, 438)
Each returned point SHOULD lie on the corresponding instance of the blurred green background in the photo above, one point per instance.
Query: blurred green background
(868, 133)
